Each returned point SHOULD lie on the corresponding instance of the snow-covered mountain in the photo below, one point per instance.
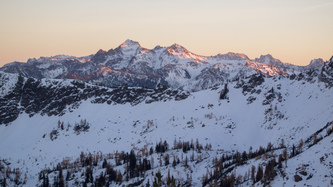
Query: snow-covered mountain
(250, 122)
(173, 66)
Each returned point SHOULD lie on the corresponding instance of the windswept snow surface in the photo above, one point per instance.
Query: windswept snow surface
(229, 125)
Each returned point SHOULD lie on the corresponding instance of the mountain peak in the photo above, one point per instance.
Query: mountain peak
(268, 59)
(240, 55)
(316, 63)
(177, 49)
(129, 43)
(101, 51)
(182, 52)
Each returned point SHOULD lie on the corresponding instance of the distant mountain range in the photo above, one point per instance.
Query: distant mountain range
(174, 66)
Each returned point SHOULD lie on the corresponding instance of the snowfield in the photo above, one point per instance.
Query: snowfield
(228, 125)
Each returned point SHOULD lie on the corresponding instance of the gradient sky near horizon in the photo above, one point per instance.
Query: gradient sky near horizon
(294, 31)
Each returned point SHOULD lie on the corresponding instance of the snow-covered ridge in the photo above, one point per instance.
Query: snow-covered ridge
(83, 59)
(231, 56)
(264, 68)
(174, 66)
(181, 52)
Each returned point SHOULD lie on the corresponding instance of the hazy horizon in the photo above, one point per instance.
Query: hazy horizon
(295, 32)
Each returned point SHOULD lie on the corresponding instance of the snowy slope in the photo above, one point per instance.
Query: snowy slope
(293, 111)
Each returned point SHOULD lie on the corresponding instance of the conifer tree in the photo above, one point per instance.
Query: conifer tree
(158, 179)
(166, 158)
(132, 159)
(61, 177)
(300, 146)
(285, 156)
(259, 174)
(280, 161)
(293, 151)
(174, 163)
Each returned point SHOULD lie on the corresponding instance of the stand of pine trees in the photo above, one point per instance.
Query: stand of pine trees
(137, 165)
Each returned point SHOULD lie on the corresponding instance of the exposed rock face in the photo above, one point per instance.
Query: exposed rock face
(55, 97)
(326, 74)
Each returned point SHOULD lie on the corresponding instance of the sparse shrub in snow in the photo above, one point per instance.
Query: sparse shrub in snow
(54, 134)
(209, 116)
(60, 125)
(83, 126)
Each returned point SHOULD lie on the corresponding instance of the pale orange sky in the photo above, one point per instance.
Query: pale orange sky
(294, 31)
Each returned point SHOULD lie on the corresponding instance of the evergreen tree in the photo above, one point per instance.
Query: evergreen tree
(280, 161)
(89, 175)
(186, 160)
(253, 169)
(60, 176)
(300, 146)
(44, 180)
(132, 159)
(168, 178)
(47, 183)
(119, 177)
(166, 162)
(105, 163)
(158, 179)
(101, 180)
(259, 174)
(174, 163)
(244, 156)
(285, 156)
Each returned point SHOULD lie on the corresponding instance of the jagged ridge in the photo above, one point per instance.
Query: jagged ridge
(173, 66)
